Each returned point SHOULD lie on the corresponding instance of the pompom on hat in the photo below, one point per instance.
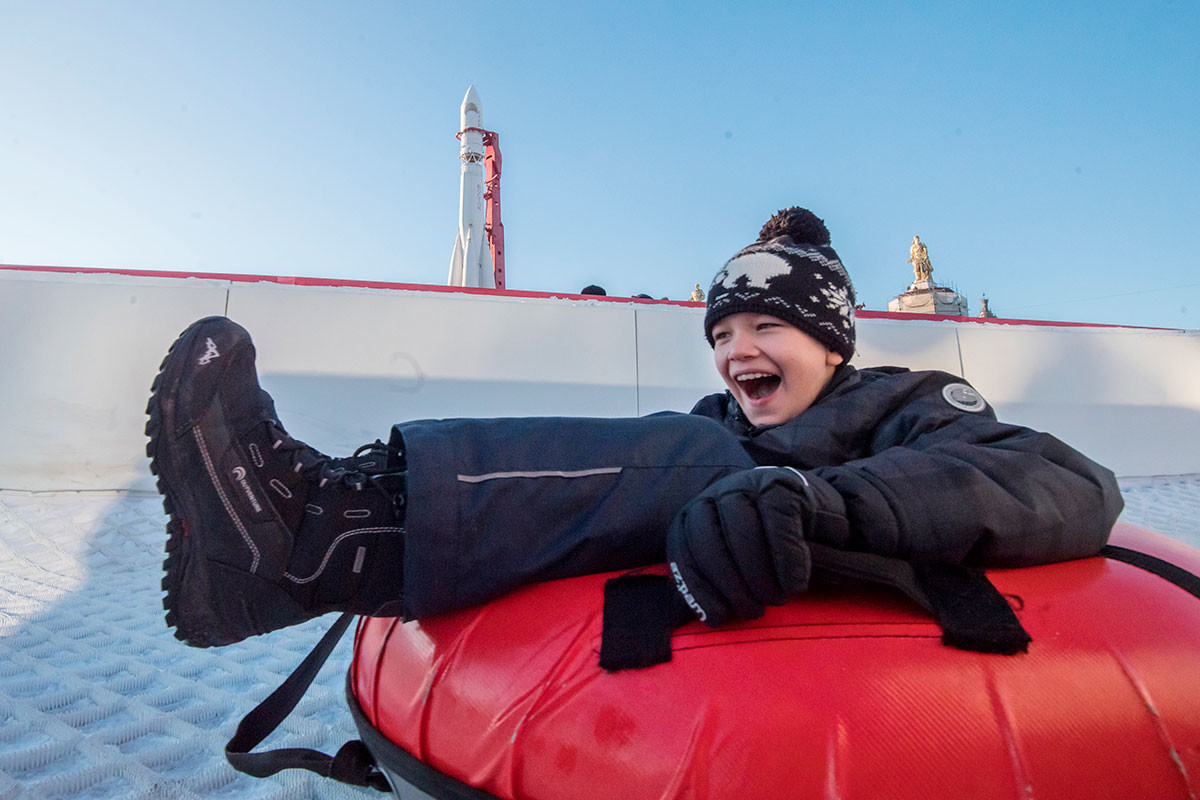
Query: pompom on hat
(792, 273)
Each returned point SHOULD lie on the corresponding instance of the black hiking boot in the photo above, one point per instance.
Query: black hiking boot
(264, 531)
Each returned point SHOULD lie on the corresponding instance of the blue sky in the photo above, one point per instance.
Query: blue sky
(1047, 156)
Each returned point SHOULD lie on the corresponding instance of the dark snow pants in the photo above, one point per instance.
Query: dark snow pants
(496, 503)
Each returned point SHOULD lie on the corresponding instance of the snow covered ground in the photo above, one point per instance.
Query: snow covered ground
(99, 700)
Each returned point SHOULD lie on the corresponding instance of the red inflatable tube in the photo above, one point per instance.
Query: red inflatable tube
(843, 693)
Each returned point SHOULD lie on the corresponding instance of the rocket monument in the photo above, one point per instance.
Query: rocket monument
(471, 264)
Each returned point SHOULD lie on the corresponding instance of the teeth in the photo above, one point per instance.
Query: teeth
(750, 376)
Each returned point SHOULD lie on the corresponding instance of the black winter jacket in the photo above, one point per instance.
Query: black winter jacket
(915, 465)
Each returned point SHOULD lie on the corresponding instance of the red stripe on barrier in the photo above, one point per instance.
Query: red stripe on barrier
(864, 314)
(426, 287)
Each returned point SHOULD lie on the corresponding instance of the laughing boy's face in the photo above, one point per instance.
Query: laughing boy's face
(773, 369)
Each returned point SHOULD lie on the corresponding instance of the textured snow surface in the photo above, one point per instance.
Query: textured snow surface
(1169, 505)
(99, 700)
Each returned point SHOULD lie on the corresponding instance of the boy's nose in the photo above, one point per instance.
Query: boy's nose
(742, 346)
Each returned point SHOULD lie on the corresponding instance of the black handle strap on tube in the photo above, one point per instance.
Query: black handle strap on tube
(973, 614)
(639, 617)
(1179, 576)
(640, 611)
(353, 763)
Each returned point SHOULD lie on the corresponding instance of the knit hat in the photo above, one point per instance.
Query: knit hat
(791, 273)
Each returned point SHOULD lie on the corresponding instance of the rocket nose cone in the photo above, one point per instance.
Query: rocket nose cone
(471, 105)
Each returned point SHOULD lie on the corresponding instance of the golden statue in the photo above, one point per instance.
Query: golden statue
(919, 258)
(697, 295)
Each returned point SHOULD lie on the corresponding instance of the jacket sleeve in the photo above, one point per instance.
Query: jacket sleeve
(951, 486)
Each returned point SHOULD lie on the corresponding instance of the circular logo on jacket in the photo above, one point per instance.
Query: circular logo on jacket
(963, 397)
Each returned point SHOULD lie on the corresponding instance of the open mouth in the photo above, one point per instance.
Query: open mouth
(758, 385)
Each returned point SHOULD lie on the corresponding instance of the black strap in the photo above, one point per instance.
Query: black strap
(971, 611)
(973, 614)
(353, 763)
(832, 565)
(1164, 569)
(640, 611)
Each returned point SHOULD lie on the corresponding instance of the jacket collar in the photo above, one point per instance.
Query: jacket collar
(843, 376)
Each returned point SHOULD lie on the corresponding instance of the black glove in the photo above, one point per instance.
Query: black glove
(739, 545)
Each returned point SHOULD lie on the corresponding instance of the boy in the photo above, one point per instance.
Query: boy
(265, 531)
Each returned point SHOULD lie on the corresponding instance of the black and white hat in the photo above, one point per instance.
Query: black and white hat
(791, 273)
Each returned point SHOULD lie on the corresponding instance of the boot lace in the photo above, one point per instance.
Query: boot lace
(356, 471)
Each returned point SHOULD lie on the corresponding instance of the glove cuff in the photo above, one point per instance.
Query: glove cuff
(827, 523)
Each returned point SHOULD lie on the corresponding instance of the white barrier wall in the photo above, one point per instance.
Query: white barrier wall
(1130, 398)
(78, 353)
